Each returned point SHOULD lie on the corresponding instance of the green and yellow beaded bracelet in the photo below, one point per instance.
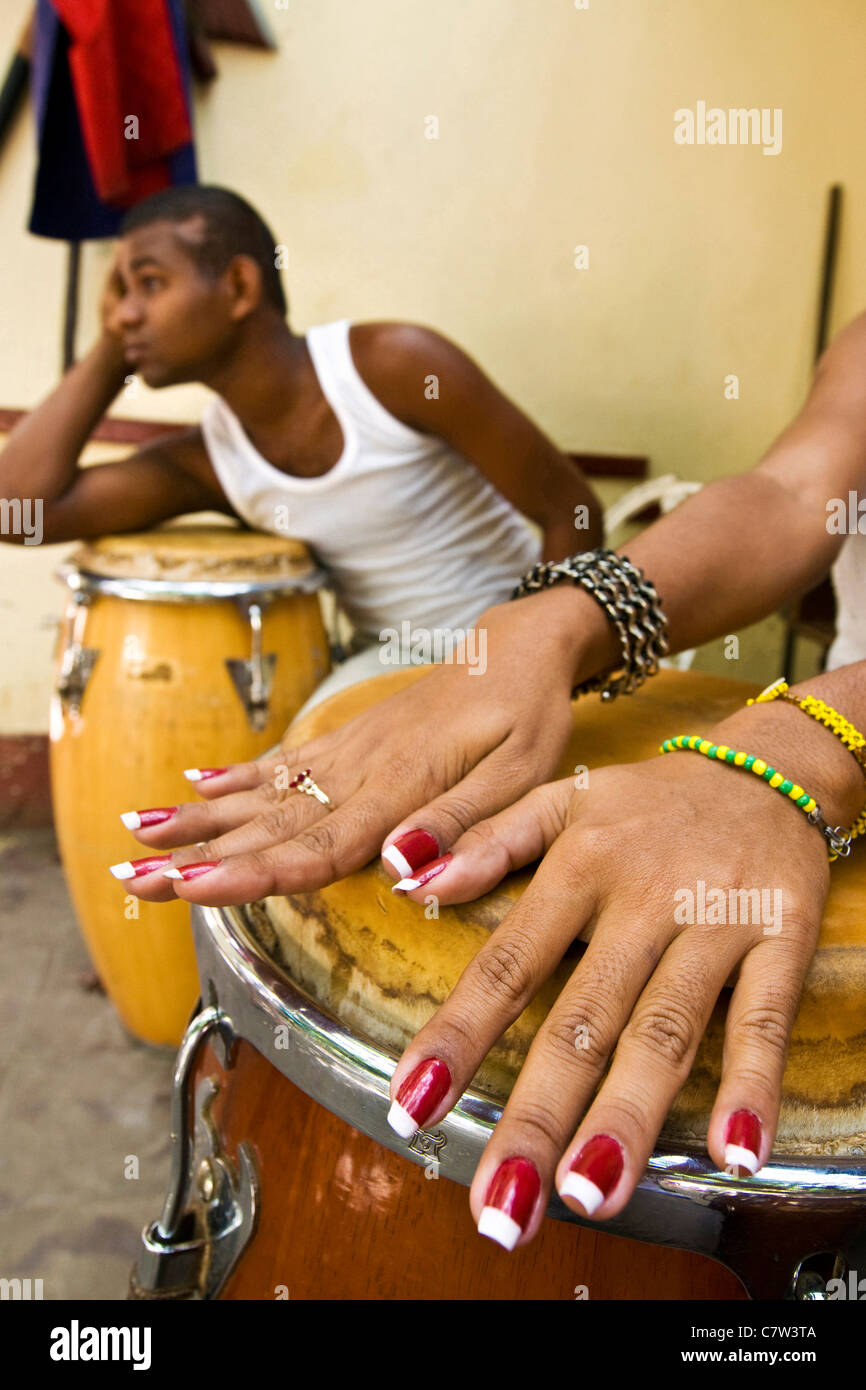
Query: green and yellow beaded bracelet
(838, 839)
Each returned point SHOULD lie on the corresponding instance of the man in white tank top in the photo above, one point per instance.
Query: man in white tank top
(389, 450)
(381, 445)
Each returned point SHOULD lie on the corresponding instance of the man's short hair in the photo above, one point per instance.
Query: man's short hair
(232, 228)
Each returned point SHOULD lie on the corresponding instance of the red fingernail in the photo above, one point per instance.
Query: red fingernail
(135, 820)
(201, 774)
(188, 871)
(409, 851)
(743, 1144)
(134, 868)
(418, 1097)
(423, 875)
(594, 1173)
(510, 1201)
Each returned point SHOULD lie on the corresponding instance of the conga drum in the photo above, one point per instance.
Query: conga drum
(287, 1181)
(185, 648)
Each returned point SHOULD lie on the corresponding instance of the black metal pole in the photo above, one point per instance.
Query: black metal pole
(70, 315)
(828, 268)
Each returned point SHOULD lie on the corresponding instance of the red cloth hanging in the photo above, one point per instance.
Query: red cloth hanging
(123, 63)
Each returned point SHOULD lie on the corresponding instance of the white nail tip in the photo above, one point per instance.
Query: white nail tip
(132, 820)
(172, 873)
(401, 1121)
(738, 1157)
(585, 1192)
(397, 861)
(406, 885)
(192, 774)
(124, 870)
(499, 1227)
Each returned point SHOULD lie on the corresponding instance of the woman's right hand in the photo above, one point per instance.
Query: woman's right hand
(455, 747)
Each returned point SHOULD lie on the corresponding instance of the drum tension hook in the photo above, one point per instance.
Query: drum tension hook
(76, 661)
(253, 678)
(211, 1210)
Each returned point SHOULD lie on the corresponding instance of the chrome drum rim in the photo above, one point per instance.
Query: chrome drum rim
(682, 1199)
(85, 583)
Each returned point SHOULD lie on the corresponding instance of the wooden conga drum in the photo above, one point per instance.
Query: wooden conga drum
(288, 1182)
(189, 647)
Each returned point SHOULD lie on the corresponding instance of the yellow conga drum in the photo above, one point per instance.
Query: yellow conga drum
(287, 1181)
(185, 647)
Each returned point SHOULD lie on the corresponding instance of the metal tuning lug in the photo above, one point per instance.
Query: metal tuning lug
(253, 678)
(76, 661)
(211, 1209)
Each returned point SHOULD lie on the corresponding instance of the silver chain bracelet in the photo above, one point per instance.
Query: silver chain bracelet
(630, 602)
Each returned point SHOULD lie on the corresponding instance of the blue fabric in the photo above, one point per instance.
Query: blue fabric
(65, 202)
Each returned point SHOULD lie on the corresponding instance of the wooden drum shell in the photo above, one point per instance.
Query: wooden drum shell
(344, 1218)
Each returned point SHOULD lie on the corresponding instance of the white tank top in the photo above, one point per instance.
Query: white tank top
(407, 528)
(849, 581)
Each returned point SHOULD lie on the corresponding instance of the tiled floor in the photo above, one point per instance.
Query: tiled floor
(78, 1096)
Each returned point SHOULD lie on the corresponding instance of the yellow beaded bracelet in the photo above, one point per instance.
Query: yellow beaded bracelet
(838, 839)
(843, 729)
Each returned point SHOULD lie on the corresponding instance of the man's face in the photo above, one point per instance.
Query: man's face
(175, 322)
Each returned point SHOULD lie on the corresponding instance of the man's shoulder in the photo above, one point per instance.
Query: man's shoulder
(385, 345)
(392, 357)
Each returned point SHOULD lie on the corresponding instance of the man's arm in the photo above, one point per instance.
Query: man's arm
(170, 477)
(472, 415)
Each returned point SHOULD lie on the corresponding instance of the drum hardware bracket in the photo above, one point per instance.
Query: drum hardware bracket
(211, 1210)
(811, 1277)
(427, 1143)
(77, 661)
(254, 677)
(843, 1265)
(836, 1235)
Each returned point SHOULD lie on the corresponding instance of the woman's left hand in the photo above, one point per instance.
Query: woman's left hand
(622, 864)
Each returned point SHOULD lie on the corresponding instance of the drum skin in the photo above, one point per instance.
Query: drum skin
(160, 699)
(341, 1217)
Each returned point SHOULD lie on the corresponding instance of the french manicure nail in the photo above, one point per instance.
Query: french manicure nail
(137, 820)
(188, 871)
(134, 868)
(418, 1097)
(743, 1142)
(409, 851)
(510, 1200)
(423, 875)
(594, 1172)
(203, 774)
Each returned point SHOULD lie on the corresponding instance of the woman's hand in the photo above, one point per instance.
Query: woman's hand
(453, 748)
(631, 864)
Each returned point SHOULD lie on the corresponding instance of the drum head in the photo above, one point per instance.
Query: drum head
(187, 553)
(383, 964)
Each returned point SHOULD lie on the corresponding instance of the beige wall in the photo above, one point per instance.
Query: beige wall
(555, 129)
